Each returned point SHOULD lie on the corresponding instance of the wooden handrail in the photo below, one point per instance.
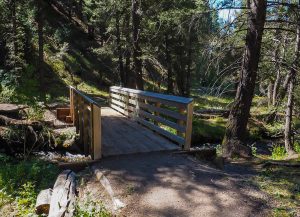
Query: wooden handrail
(86, 116)
(155, 110)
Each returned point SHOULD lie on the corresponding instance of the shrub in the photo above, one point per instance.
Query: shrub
(278, 152)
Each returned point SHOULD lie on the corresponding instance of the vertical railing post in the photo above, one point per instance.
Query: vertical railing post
(72, 104)
(180, 122)
(96, 133)
(80, 117)
(126, 101)
(157, 105)
(85, 129)
(189, 125)
(109, 97)
(76, 111)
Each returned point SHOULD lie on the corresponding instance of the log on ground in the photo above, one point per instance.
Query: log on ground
(63, 195)
(42, 205)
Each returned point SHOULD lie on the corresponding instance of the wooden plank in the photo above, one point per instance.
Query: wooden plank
(85, 97)
(162, 120)
(159, 110)
(161, 131)
(119, 103)
(151, 98)
(189, 125)
(165, 97)
(97, 135)
(122, 111)
(164, 111)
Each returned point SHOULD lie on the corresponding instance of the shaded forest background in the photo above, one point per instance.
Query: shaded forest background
(175, 47)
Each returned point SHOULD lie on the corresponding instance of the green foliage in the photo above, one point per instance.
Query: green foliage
(253, 150)
(21, 181)
(208, 130)
(90, 208)
(278, 152)
(283, 187)
(297, 147)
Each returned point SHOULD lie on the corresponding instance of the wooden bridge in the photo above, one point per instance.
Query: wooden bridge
(132, 122)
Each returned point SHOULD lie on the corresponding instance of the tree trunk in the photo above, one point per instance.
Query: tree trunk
(270, 93)
(119, 47)
(290, 101)
(188, 72)
(236, 131)
(40, 23)
(288, 131)
(169, 66)
(129, 77)
(14, 28)
(137, 52)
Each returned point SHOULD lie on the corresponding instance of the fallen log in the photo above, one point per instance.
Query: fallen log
(62, 202)
(11, 110)
(212, 112)
(42, 205)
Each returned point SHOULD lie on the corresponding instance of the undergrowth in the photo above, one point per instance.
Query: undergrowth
(20, 182)
(283, 186)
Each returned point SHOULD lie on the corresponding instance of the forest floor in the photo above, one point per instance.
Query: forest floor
(166, 184)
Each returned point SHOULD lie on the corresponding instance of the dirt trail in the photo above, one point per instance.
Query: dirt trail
(164, 184)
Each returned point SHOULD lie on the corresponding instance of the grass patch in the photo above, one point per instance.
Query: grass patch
(208, 130)
(21, 181)
(283, 186)
(212, 102)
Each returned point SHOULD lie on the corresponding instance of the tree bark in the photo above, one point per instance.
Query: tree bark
(129, 77)
(40, 23)
(170, 80)
(236, 131)
(189, 63)
(119, 48)
(290, 101)
(288, 131)
(270, 93)
(137, 52)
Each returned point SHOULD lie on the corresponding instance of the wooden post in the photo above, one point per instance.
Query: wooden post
(96, 132)
(86, 129)
(76, 112)
(157, 105)
(180, 122)
(80, 118)
(126, 100)
(109, 98)
(189, 125)
(72, 104)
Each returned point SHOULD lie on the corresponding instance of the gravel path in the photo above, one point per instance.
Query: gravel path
(164, 184)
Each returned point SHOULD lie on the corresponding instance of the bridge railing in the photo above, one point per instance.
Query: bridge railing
(168, 115)
(86, 116)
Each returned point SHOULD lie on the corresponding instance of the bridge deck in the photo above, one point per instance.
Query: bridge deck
(121, 135)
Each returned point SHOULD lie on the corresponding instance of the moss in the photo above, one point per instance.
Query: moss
(210, 130)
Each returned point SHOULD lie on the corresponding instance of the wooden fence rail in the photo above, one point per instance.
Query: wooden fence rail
(161, 113)
(86, 116)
